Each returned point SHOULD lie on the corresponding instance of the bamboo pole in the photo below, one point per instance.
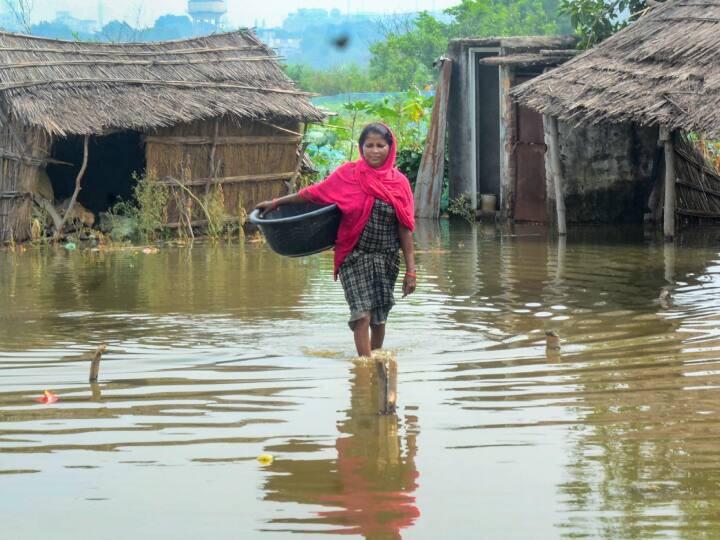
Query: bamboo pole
(78, 181)
(204, 61)
(153, 82)
(213, 166)
(670, 176)
(556, 173)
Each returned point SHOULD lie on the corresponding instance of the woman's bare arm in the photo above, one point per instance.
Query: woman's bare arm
(266, 206)
(406, 244)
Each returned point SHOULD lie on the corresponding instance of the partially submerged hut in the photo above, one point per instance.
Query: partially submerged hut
(659, 75)
(494, 145)
(205, 112)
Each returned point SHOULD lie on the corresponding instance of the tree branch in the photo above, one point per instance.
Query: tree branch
(74, 197)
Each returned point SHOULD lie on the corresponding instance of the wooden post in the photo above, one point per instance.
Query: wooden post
(387, 384)
(552, 340)
(556, 172)
(95, 364)
(95, 391)
(428, 186)
(213, 166)
(670, 178)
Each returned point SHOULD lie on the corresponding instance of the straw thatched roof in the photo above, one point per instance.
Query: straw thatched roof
(661, 70)
(89, 88)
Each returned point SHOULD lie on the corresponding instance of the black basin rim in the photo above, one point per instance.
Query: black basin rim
(257, 220)
(308, 253)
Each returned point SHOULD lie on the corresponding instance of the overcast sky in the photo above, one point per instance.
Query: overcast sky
(240, 12)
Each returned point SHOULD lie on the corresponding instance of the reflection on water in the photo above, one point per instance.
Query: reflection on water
(220, 353)
(369, 483)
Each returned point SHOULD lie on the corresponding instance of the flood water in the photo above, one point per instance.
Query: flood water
(218, 354)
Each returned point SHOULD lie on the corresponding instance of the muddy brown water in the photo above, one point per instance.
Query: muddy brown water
(218, 354)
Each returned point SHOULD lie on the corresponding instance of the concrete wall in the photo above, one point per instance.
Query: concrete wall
(607, 171)
(459, 125)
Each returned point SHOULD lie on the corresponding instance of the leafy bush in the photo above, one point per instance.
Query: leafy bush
(462, 207)
(144, 217)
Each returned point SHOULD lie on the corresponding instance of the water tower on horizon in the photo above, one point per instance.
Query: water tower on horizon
(207, 12)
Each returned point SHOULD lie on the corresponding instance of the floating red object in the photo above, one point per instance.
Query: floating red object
(48, 397)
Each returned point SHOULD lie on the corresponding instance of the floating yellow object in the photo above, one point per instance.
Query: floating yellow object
(265, 459)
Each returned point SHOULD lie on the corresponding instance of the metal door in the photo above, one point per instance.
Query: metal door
(530, 188)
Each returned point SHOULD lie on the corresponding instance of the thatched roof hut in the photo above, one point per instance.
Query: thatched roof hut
(215, 110)
(660, 71)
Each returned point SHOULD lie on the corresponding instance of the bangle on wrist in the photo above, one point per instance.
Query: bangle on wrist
(410, 274)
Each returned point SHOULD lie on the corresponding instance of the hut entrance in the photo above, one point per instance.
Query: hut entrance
(487, 124)
(112, 160)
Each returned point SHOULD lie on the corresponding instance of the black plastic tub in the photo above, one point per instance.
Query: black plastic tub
(296, 230)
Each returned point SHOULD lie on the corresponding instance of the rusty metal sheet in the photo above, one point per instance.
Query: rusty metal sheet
(530, 186)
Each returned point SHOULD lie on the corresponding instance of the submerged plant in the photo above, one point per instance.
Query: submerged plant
(215, 212)
(461, 206)
(152, 198)
(144, 217)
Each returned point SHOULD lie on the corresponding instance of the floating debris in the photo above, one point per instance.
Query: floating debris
(70, 246)
(265, 459)
(48, 398)
(150, 250)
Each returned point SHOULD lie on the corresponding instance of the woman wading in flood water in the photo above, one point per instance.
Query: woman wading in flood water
(377, 221)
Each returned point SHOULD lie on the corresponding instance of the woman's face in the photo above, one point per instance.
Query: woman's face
(375, 150)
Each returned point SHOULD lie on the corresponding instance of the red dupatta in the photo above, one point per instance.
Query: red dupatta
(354, 187)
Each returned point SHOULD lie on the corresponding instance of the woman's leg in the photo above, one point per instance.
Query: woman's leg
(362, 336)
(377, 336)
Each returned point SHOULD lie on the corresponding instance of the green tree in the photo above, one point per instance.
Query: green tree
(405, 57)
(480, 18)
(596, 20)
(327, 82)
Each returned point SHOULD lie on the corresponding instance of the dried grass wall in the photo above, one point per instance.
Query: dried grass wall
(22, 154)
(252, 161)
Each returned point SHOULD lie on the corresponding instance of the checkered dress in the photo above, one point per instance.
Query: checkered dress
(369, 272)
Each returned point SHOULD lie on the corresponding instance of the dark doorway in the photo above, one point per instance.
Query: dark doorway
(487, 125)
(530, 188)
(112, 160)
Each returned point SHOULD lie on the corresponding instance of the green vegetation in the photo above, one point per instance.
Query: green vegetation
(335, 142)
(337, 80)
(462, 207)
(408, 115)
(596, 20)
(145, 216)
(404, 57)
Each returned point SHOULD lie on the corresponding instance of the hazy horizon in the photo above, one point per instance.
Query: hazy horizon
(272, 12)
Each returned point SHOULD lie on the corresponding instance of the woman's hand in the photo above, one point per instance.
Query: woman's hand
(265, 207)
(409, 284)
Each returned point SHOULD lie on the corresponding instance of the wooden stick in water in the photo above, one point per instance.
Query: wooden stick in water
(387, 384)
(552, 340)
(95, 364)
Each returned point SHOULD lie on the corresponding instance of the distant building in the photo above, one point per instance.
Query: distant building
(283, 42)
(207, 13)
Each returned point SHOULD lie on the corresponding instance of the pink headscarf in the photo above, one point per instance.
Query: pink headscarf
(354, 187)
